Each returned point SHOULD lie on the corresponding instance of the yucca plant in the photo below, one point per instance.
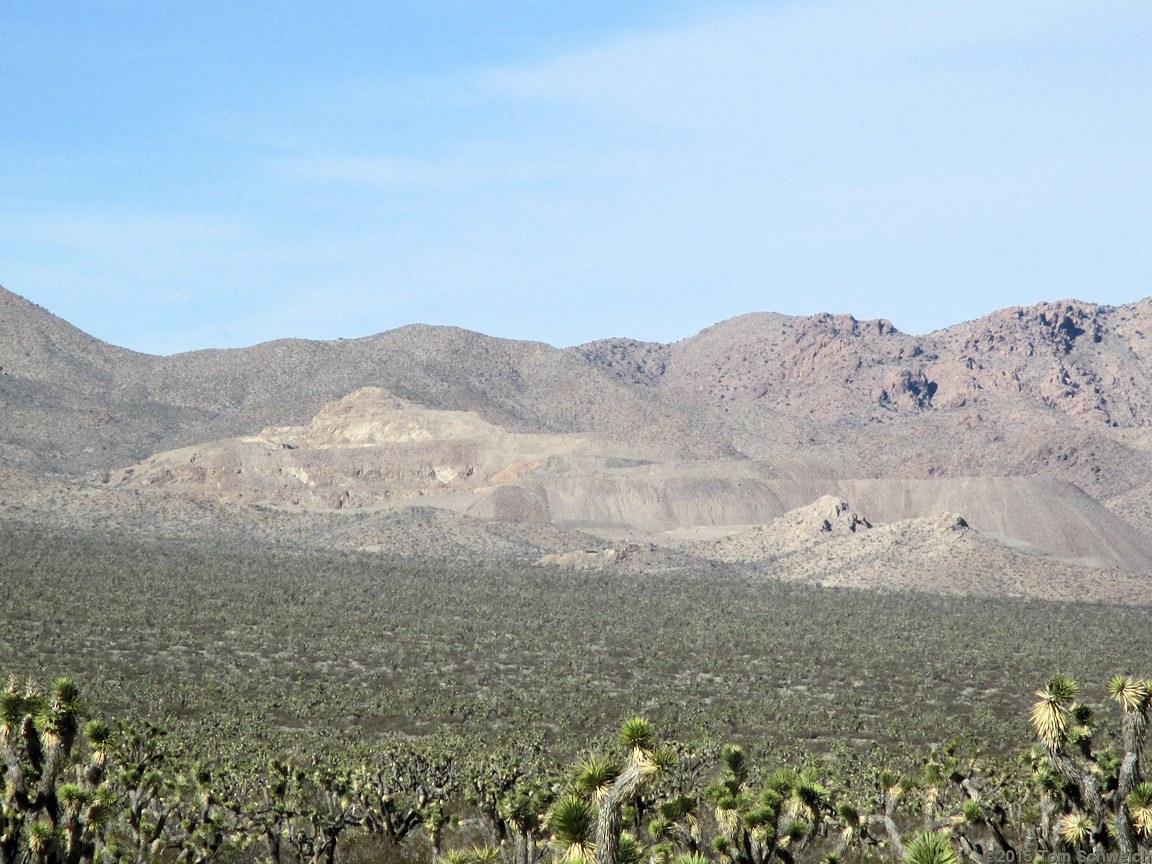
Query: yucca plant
(12, 712)
(795, 830)
(631, 850)
(1076, 829)
(735, 762)
(930, 847)
(722, 846)
(43, 840)
(660, 829)
(890, 784)
(73, 797)
(851, 824)
(1050, 713)
(1140, 806)
(972, 812)
(483, 854)
(595, 775)
(97, 734)
(1130, 693)
(807, 797)
(456, 856)
(572, 823)
(638, 737)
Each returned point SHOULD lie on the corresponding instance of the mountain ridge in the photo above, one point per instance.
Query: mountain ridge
(743, 421)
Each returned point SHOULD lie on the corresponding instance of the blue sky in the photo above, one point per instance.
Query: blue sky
(215, 174)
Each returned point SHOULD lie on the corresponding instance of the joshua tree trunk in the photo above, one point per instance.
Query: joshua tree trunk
(608, 823)
(1126, 842)
(1076, 773)
(525, 849)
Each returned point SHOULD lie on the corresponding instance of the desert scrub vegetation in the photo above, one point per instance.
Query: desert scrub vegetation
(128, 792)
(299, 651)
(251, 705)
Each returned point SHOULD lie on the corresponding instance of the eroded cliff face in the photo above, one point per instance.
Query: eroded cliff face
(1078, 358)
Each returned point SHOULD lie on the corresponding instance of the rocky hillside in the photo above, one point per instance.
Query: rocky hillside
(1033, 425)
(1079, 358)
(829, 544)
(1060, 387)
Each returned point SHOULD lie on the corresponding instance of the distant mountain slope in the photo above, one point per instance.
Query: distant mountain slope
(62, 408)
(1034, 424)
(1058, 388)
(35, 345)
(1063, 387)
(372, 449)
(74, 404)
(1079, 358)
(522, 386)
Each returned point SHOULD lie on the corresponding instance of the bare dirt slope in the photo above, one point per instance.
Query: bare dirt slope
(410, 530)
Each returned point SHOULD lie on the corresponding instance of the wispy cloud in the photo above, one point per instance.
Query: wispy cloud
(829, 155)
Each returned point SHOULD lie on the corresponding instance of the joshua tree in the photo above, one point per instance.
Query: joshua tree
(512, 796)
(777, 821)
(406, 788)
(305, 812)
(170, 810)
(46, 816)
(861, 830)
(1106, 800)
(675, 827)
(588, 824)
(643, 764)
(149, 797)
(981, 806)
